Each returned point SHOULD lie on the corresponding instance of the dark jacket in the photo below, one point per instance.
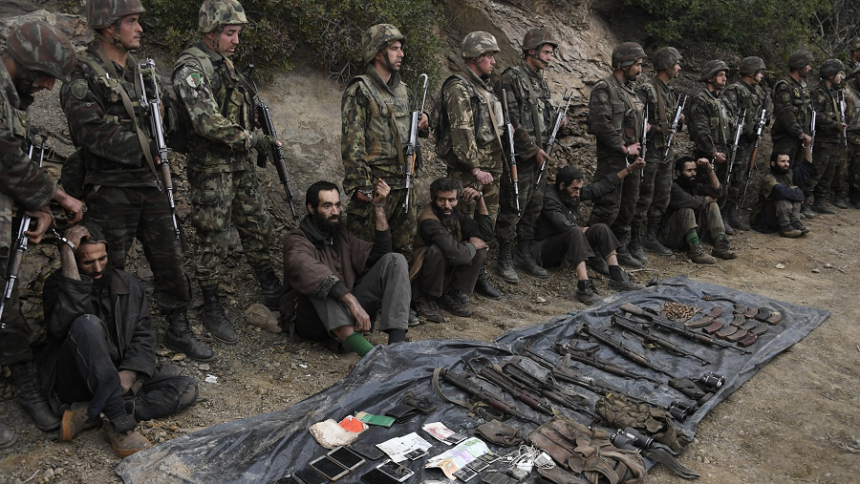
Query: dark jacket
(557, 218)
(779, 187)
(695, 198)
(454, 245)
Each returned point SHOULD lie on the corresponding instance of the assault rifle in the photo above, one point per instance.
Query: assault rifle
(153, 108)
(586, 356)
(462, 381)
(675, 122)
(496, 376)
(654, 318)
(409, 169)
(741, 118)
(841, 96)
(649, 337)
(812, 135)
(19, 245)
(509, 128)
(644, 142)
(622, 349)
(549, 144)
(547, 388)
(759, 128)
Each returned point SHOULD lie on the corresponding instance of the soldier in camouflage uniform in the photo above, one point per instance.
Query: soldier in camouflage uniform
(616, 118)
(829, 142)
(745, 94)
(375, 122)
(851, 183)
(530, 112)
(128, 200)
(792, 110)
(224, 186)
(661, 102)
(468, 136)
(37, 55)
(855, 54)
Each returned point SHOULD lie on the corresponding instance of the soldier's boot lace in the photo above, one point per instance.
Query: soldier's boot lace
(736, 220)
(484, 288)
(524, 260)
(214, 319)
(270, 289)
(504, 266)
(697, 254)
(635, 246)
(179, 338)
(652, 240)
(30, 397)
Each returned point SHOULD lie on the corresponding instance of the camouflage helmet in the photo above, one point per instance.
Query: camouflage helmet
(101, 14)
(666, 58)
(799, 59)
(42, 48)
(830, 68)
(377, 38)
(712, 68)
(478, 43)
(855, 44)
(627, 54)
(750, 65)
(538, 37)
(215, 14)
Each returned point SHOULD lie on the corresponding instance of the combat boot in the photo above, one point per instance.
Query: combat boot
(214, 319)
(789, 231)
(820, 206)
(796, 223)
(624, 284)
(270, 289)
(723, 250)
(651, 242)
(75, 421)
(504, 266)
(7, 436)
(598, 264)
(806, 211)
(588, 294)
(635, 246)
(179, 338)
(736, 220)
(30, 397)
(839, 202)
(125, 441)
(727, 226)
(428, 309)
(484, 288)
(525, 261)
(696, 253)
(626, 258)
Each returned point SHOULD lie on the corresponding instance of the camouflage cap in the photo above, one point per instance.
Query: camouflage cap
(215, 14)
(40, 47)
(752, 64)
(538, 37)
(102, 14)
(830, 68)
(855, 44)
(377, 38)
(627, 54)
(478, 43)
(799, 59)
(666, 58)
(712, 68)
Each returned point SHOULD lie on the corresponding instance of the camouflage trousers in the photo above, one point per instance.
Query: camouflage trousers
(654, 191)
(617, 207)
(826, 158)
(851, 173)
(218, 199)
(123, 213)
(740, 170)
(491, 193)
(676, 227)
(523, 225)
(16, 333)
(402, 224)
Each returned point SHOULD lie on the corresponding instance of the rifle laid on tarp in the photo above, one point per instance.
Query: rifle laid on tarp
(412, 147)
(654, 318)
(586, 356)
(643, 332)
(509, 131)
(496, 376)
(478, 396)
(554, 133)
(548, 387)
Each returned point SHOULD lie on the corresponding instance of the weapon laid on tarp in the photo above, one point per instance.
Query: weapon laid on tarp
(676, 121)
(509, 129)
(19, 245)
(412, 147)
(153, 108)
(631, 439)
(653, 317)
(622, 349)
(554, 133)
(759, 128)
(737, 142)
(841, 96)
(634, 327)
(496, 376)
(587, 357)
(478, 396)
(546, 387)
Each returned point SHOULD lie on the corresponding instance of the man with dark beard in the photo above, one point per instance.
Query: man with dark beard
(450, 248)
(562, 242)
(779, 199)
(344, 279)
(693, 210)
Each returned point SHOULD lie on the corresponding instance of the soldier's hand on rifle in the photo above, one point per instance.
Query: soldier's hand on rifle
(76, 233)
(423, 122)
(478, 243)
(633, 150)
(483, 177)
(541, 156)
(73, 207)
(380, 191)
(43, 219)
(719, 157)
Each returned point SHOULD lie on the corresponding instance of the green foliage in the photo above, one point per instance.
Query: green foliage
(326, 32)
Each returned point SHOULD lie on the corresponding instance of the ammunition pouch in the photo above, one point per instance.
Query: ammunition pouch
(500, 433)
(658, 423)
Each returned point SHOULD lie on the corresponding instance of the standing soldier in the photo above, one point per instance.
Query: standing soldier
(851, 183)
(375, 121)
(36, 55)
(828, 137)
(745, 94)
(615, 117)
(224, 185)
(127, 200)
(792, 110)
(468, 131)
(661, 102)
(530, 112)
(855, 53)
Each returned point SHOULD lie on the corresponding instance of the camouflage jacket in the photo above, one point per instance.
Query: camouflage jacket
(21, 181)
(474, 141)
(375, 122)
(852, 109)
(530, 108)
(99, 122)
(740, 96)
(792, 108)
(651, 94)
(827, 126)
(710, 124)
(220, 103)
(615, 115)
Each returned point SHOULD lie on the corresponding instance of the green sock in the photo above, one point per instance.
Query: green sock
(719, 237)
(357, 343)
(693, 238)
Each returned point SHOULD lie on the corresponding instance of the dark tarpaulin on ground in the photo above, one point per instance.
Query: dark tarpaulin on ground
(264, 448)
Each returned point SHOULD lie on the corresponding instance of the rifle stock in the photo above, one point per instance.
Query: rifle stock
(509, 128)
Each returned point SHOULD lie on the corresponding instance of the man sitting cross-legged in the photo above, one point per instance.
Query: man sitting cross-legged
(780, 197)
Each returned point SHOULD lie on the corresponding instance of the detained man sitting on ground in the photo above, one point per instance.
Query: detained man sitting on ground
(450, 248)
(340, 282)
(780, 198)
(562, 242)
(101, 357)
